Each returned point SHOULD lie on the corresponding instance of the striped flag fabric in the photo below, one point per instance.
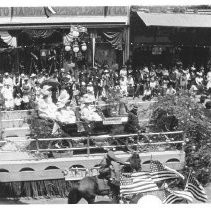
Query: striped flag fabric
(185, 195)
(138, 182)
(159, 173)
(196, 189)
(170, 197)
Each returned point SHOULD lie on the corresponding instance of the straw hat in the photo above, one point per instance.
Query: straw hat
(87, 98)
(45, 90)
(33, 75)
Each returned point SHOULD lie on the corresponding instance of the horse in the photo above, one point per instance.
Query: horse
(89, 187)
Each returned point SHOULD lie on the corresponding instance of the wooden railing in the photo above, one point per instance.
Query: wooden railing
(98, 138)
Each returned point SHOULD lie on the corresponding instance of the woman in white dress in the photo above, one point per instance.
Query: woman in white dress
(7, 92)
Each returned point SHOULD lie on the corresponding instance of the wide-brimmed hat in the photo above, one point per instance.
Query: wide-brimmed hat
(111, 156)
(33, 75)
(146, 69)
(45, 90)
(135, 107)
(6, 74)
(199, 74)
(87, 98)
(208, 105)
(60, 105)
(106, 66)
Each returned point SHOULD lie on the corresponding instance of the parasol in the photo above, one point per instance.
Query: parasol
(51, 82)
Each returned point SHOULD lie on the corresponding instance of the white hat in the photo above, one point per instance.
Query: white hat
(45, 90)
(6, 73)
(90, 83)
(33, 75)
(60, 105)
(87, 98)
(146, 69)
(83, 83)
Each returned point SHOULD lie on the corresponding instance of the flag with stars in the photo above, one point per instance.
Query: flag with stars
(195, 188)
(159, 173)
(169, 197)
(138, 182)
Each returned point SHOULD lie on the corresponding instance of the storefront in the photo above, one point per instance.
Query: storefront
(168, 37)
(28, 32)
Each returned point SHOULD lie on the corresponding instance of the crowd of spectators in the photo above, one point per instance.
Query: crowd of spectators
(22, 91)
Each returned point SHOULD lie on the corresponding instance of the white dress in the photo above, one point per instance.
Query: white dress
(89, 113)
(8, 96)
(46, 108)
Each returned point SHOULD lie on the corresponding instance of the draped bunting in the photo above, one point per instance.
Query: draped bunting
(115, 38)
(67, 39)
(39, 33)
(8, 39)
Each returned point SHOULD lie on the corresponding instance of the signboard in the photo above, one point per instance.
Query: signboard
(64, 11)
(80, 173)
(157, 50)
(114, 120)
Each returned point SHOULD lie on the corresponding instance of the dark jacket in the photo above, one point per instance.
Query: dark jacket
(132, 125)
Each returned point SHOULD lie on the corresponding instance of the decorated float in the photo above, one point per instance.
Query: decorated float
(42, 163)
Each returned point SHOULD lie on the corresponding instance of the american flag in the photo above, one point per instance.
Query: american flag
(195, 188)
(170, 197)
(159, 173)
(138, 182)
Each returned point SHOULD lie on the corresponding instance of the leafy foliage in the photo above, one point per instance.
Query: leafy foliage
(196, 125)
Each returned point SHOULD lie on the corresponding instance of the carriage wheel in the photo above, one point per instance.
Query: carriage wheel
(60, 144)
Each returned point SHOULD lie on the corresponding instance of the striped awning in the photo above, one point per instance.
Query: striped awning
(176, 20)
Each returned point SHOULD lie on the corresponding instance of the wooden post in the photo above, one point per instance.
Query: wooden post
(184, 140)
(1, 130)
(88, 148)
(37, 145)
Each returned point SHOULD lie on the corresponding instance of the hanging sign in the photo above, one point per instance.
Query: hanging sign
(157, 50)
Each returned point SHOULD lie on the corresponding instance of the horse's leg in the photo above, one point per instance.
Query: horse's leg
(74, 196)
(90, 199)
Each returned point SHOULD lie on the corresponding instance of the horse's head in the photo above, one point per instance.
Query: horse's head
(135, 162)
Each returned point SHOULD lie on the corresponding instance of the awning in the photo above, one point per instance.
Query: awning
(176, 20)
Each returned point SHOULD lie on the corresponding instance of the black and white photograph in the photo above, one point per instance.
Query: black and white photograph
(105, 103)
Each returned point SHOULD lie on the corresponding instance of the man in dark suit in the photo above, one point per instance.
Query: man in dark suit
(132, 125)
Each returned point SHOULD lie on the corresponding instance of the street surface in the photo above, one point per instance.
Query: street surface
(99, 199)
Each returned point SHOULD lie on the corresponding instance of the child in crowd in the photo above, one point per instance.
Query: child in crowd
(147, 93)
(170, 90)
